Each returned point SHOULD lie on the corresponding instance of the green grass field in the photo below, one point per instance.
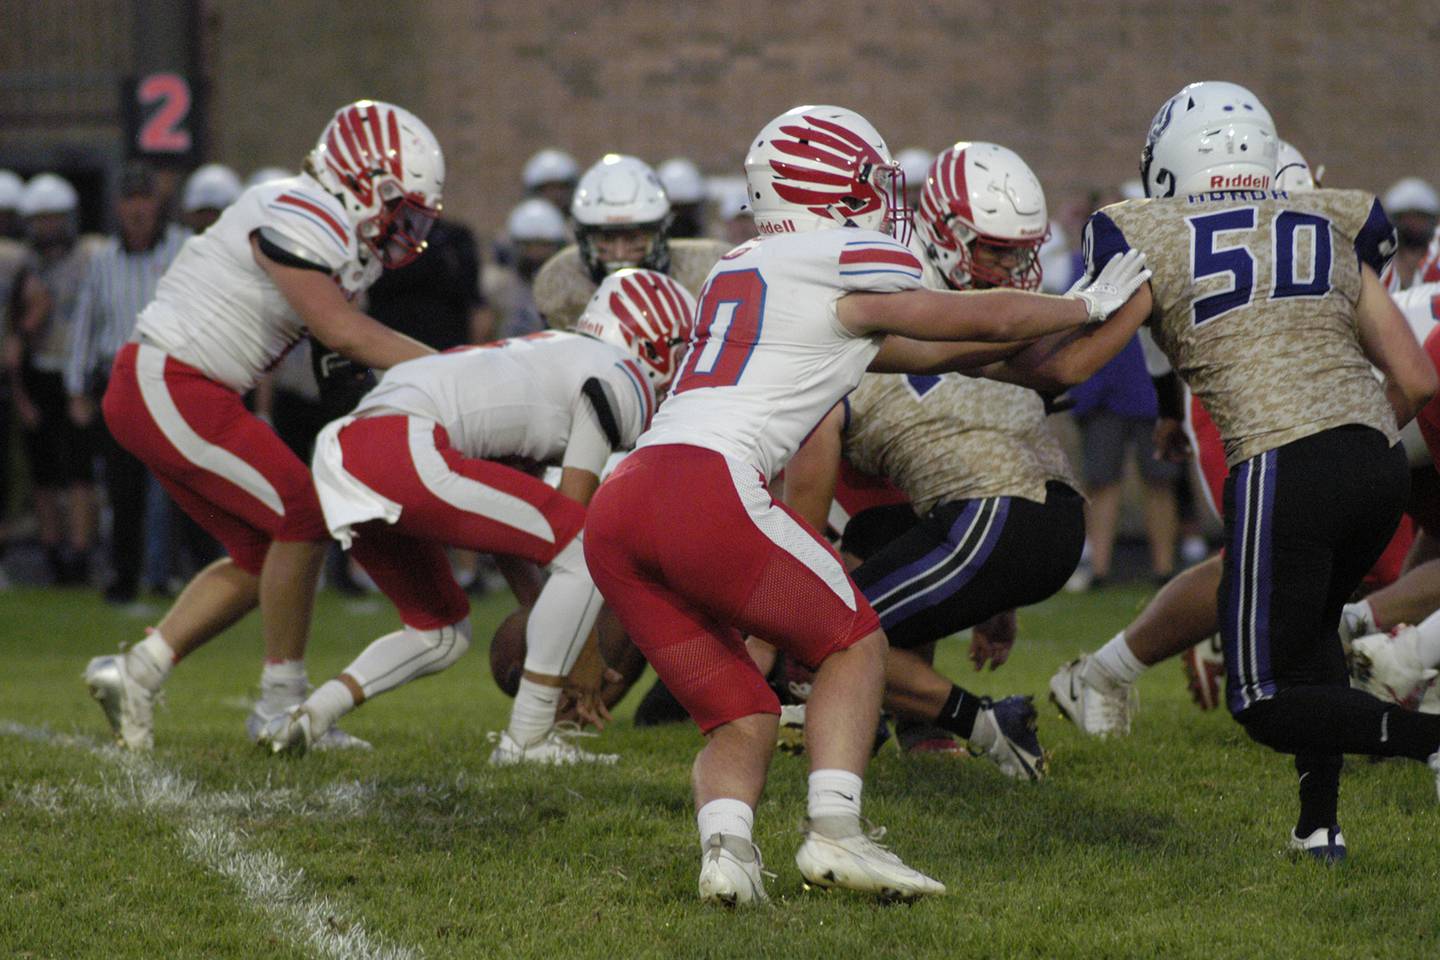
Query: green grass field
(1167, 844)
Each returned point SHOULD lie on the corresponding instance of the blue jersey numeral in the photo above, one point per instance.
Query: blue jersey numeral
(1291, 279)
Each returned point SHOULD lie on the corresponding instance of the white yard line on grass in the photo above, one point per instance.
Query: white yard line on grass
(267, 883)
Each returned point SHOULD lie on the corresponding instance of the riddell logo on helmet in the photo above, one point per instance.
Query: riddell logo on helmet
(1240, 182)
(775, 226)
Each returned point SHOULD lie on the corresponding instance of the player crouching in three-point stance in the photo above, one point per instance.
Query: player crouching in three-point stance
(417, 468)
(689, 548)
(287, 257)
(1269, 306)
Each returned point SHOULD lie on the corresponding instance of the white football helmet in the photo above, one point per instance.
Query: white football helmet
(682, 181)
(387, 168)
(983, 192)
(536, 221)
(213, 186)
(1211, 135)
(549, 166)
(816, 167)
(1292, 172)
(48, 193)
(11, 186)
(646, 313)
(621, 193)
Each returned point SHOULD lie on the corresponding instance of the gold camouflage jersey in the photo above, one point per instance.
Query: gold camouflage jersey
(953, 437)
(1255, 294)
(563, 287)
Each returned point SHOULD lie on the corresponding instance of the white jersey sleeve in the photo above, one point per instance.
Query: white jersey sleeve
(218, 310)
(769, 356)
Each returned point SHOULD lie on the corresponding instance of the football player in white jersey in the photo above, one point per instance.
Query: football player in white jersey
(287, 257)
(428, 460)
(688, 546)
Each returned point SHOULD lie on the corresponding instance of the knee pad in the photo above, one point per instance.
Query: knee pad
(449, 643)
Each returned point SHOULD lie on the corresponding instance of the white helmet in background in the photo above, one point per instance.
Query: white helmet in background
(647, 313)
(1292, 171)
(48, 193)
(549, 166)
(267, 175)
(816, 167)
(536, 221)
(388, 171)
(1211, 135)
(1411, 194)
(682, 181)
(213, 186)
(915, 164)
(621, 193)
(983, 192)
(11, 186)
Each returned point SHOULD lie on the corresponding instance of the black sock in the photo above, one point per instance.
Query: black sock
(1336, 719)
(959, 713)
(1319, 791)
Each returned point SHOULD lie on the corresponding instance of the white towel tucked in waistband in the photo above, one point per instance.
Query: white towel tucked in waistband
(345, 500)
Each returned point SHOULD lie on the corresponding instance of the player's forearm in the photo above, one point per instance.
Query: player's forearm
(905, 355)
(1061, 361)
(367, 341)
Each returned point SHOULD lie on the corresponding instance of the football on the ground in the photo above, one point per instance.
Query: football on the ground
(507, 651)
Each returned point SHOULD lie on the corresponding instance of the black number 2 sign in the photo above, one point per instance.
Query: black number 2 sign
(162, 115)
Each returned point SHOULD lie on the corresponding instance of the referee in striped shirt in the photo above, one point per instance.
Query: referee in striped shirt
(120, 282)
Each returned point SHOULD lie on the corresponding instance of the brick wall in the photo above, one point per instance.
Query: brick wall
(1071, 85)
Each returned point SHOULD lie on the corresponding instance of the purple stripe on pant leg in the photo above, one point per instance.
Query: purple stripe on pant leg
(917, 568)
(1262, 682)
(1232, 625)
(954, 582)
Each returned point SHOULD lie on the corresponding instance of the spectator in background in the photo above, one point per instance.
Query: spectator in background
(686, 189)
(436, 298)
(1116, 411)
(551, 174)
(536, 232)
(915, 164)
(208, 191)
(119, 282)
(1414, 208)
(61, 453)
(13, 257)
(734, 225)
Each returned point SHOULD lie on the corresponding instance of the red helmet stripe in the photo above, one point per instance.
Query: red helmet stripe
(813, 176)
(960, 197)
(857, 142)
(357, 157)
(622, 313)
(844, 151)
(659, 314)
(393, 154)
(333, 152)
(808, 151)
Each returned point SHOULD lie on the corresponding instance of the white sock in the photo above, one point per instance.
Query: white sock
(564, 613)
(534, 711)
(1116, 664)
(834, 793)
(149, 662)
(731, 817)
(327, 705)
(1428, 645)
(283, 683)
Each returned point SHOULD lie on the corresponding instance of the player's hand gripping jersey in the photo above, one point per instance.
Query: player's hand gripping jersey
(216, 308)
(1255, 295)
(551, 398)
(769, 356)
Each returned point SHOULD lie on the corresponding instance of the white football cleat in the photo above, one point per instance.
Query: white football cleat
(128, 706)
(553, 748)
(1388, 666)
(337, 739)
(1099, 710)
(860, 862)
(1014, 745)
(731, 872)
(1327, 845)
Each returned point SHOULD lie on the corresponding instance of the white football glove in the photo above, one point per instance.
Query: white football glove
(1108, 292)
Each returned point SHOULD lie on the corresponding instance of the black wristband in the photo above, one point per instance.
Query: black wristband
(1168, 393)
